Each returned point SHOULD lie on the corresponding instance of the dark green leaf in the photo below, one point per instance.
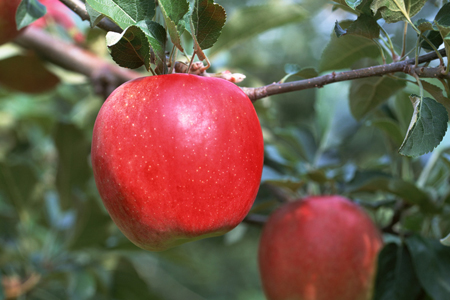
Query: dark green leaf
(427, 128)
(397, 10)
(437, 93)
(137, 45)
(341, 53)
(28, 12)
(173, 12)
(372, 181)
(431, 261)
(390, 128)
(396, 279)
(124, 12)
(366, 94)
(250, 21)
(442, 22)
(434, 37)
(207, 21)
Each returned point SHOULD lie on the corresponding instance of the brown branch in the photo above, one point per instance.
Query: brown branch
(406, 66)
(80, 9)
(254, 94)
(106, 76)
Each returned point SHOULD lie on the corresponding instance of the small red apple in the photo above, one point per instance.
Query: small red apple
(177, 158)
(8, 28)
(319, 248)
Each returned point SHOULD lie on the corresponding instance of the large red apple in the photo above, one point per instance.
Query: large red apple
(8, 28)
(319, 248)
(177, 158)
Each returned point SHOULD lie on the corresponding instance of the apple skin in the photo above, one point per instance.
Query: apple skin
(8, 28)
(319, 248)
(177, 158)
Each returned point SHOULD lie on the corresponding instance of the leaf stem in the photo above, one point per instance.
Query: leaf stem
(391, 45)
(425, 174)
(405, 30)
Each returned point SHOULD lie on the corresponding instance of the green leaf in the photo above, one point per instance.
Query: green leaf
(124, 12)
(94, 16)
(365, 26)
(442, 22)
(137, 45)
(432, 264)
(427, 128)
(296, 70)
(446, 241)
(17, 182)
(28, 12)
(341, 53)
(424, 25)
(396, 279)
(434, 37)
(173, 12)
(356, 6)
(250, 21)
(207, 21)
(372, 181)
(366, 94)
(73, 169)
(391, 128)
(353, 3)
(437, 93)
(397, 10)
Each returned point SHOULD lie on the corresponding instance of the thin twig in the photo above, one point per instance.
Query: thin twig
(80, 9)
(317, 82)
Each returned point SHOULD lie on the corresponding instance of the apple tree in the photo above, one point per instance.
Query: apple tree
(305, 139)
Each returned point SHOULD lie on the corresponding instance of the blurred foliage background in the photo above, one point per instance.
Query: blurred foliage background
(58, 242)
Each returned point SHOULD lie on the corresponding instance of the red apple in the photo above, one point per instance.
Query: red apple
(319, 248)
(8, 28)
(177, 158)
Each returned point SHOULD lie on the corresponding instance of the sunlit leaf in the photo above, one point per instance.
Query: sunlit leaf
(397, 10)
(94, 16)
(446, 241)
(124, 12)
(427, 128)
